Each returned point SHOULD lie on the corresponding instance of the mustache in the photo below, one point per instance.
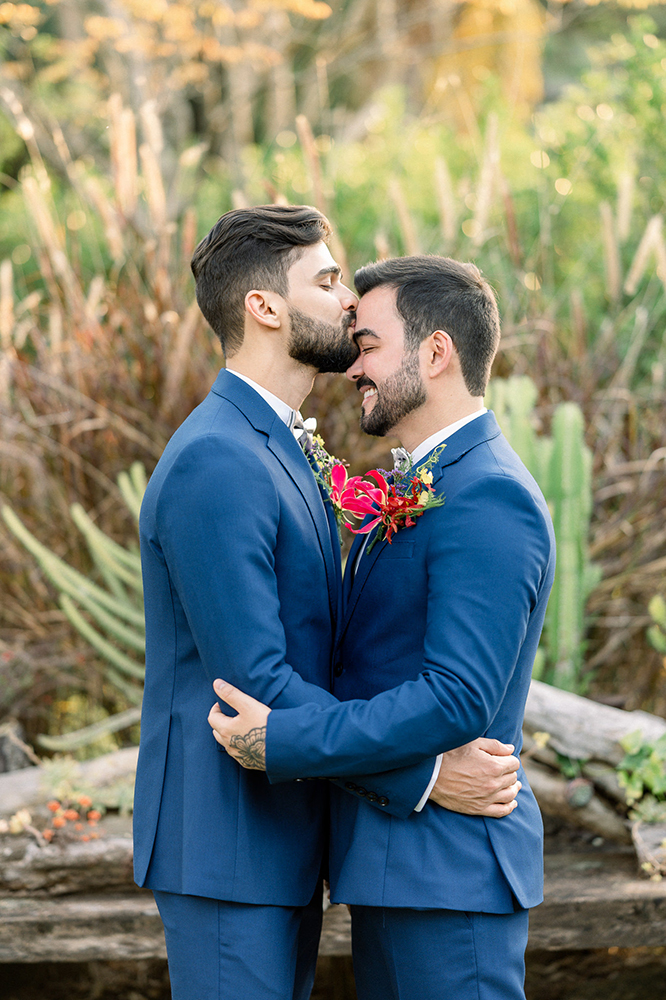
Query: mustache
(347, 320)
(363, 381)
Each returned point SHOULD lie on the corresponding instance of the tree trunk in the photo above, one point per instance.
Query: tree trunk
(584, 729)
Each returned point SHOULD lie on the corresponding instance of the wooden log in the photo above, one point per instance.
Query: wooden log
(552, 792)
(593, 900)
(650, 845)
(64, 867)
(28, 788)
(598, 901)
(80, 928)
(584, 729)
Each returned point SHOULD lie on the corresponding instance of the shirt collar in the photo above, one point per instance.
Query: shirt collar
(286, 414)
(431, 442)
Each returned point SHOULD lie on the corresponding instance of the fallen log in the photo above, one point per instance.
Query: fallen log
(650, 845)
(553, 793)
(582, 728)
(27, 867)
(592, 900)
(28, 788)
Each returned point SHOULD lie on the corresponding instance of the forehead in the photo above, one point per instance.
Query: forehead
(310, 262)
(377, 311)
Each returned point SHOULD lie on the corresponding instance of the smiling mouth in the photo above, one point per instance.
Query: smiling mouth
(368, 391)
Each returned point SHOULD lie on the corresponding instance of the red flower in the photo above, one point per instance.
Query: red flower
(392, 509)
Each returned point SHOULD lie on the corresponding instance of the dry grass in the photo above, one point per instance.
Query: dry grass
(97, 373)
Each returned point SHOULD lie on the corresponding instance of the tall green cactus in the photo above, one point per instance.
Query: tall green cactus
(562, 465)
(109, 615)
(569, 488)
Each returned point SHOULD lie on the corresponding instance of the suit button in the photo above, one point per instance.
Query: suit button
(351, 786)
(383, 801)
(372, 797)
(337, 670)
(361, 790)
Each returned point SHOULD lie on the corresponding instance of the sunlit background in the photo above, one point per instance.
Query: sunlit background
(528, 137)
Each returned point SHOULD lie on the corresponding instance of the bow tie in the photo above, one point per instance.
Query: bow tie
(303, 431)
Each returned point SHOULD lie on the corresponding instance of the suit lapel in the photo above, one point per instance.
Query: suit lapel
(354, 588)
(288, 452)
(282, 443)
(483, 428)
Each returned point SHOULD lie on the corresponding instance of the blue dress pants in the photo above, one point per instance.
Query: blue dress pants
(405, 954)
(238, 951)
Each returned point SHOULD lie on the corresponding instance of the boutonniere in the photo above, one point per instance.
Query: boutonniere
(393, 498)
(330, 473)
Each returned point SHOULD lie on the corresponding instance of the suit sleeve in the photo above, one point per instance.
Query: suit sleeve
(217, 520)
(487, 557)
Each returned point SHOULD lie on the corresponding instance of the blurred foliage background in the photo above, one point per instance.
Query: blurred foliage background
(526, 136)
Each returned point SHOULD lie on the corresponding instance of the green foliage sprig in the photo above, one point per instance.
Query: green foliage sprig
(642, 771)
(657, 633)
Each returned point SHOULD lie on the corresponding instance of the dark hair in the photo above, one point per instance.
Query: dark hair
(250, 248)
(437, 293)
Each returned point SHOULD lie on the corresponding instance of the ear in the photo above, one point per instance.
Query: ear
(439, 353)
(264, 308)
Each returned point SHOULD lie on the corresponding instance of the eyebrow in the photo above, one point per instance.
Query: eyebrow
(333, 269)
(365, 333)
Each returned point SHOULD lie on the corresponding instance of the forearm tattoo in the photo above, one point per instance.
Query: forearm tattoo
(250, 750)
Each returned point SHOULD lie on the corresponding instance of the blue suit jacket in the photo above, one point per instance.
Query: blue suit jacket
(242, 580)
(440, 630)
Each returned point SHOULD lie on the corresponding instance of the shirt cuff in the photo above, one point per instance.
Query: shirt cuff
(431, 784)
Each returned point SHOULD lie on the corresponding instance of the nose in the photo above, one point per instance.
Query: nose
(355, 370)
(348, 300)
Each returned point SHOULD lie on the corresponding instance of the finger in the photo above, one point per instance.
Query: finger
(506, 795)
(494, 746)
(504, 765)
(233, 696)
(499, 811)
(217, 720)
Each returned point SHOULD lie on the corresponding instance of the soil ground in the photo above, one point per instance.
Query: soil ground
(611, 974)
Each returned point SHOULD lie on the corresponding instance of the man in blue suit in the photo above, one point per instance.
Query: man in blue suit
(436, 647)
(242, 577)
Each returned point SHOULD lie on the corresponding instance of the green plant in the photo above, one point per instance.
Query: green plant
(108, 614)
(657, 633)
(643, 768)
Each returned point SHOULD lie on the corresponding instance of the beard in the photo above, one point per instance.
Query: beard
(321, 345)
(399, 394)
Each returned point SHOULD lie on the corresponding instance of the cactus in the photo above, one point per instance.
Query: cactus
(115, 607)
(570, 494)
(562, 465)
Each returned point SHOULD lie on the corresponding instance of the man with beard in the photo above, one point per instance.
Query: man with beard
(242, 576)
(436, 646)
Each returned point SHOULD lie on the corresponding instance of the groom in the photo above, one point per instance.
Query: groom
(241, 567)
(451, 611)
